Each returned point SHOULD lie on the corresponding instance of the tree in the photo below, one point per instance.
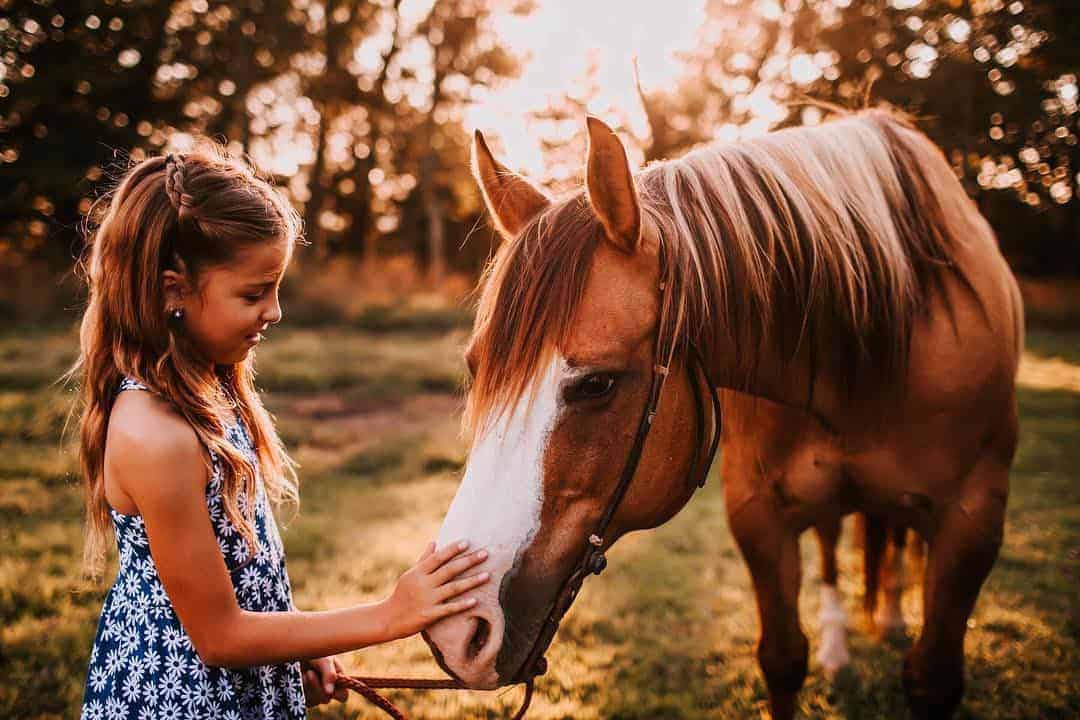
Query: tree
(84, 88)
(356, 107)
(73, 85)
(993, 82)
(465, 61)
(391, 101)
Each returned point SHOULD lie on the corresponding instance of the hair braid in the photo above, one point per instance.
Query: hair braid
(174, 183)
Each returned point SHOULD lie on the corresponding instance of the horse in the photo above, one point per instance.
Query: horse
(840, 296)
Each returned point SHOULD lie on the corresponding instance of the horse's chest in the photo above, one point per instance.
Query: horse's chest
(809, 481)
(802, 481)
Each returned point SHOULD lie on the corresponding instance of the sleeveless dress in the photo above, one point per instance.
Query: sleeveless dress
(143, 665)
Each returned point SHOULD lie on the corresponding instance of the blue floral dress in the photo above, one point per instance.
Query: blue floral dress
(143, 665)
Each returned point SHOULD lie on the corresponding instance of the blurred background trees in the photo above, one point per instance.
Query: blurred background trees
(360, 109)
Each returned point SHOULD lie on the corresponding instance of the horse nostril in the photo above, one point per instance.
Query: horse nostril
(479, 638)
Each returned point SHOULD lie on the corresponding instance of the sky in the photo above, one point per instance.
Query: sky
(556, 44)
(557, 39)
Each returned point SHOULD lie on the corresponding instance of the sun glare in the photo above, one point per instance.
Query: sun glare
(560, 39)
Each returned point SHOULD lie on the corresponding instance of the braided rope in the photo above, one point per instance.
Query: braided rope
(358, 685)
(366, 686)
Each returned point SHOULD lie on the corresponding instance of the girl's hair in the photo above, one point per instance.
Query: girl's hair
(184, 212)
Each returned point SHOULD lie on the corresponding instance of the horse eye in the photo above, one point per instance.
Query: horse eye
(591, 387)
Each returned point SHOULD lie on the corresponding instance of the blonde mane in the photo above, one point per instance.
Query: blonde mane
(827, 240)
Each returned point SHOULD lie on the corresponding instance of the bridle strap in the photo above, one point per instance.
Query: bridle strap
(593, 560)
(718, 426)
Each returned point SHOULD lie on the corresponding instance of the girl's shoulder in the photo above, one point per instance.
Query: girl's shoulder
(148, 438)
(146, 420)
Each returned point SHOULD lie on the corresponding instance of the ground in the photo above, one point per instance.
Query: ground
(370, 411)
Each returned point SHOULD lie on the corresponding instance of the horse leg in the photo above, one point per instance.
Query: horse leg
(874, 534)
(915, 562)
(962, 550)
(833, 653)
(889, 618)
(771, 551)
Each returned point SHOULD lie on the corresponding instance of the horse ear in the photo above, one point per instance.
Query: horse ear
(611, 187)
(511, 199)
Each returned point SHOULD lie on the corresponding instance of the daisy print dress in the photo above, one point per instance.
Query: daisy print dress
(143, 665)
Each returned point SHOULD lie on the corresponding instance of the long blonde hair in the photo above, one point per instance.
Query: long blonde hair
(183, 212)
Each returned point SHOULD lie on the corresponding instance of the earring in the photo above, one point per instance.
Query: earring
(177, 313)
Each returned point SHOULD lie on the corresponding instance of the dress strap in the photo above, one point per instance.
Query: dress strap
(131, 384)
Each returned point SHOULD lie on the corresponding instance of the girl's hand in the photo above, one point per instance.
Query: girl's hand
(320, 681)
(426, 592)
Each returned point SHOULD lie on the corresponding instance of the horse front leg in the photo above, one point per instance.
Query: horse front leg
(889, 616)
(771, 551)
(962, 550)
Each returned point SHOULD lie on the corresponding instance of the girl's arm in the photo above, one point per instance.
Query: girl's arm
(159, 463)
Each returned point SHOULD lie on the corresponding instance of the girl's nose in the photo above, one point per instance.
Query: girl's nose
(272, 314)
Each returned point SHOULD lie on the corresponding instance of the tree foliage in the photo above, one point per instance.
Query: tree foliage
(994, 83)
(357, 108)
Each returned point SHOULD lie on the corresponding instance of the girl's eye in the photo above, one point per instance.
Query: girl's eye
(591, 387)
(254, 298)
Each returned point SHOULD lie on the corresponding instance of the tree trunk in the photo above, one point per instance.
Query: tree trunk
(316, 191)
(436, 215)
(371, 250)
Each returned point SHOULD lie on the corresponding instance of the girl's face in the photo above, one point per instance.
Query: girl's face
(234, 303)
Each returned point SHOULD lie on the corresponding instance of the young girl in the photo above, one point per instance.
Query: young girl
(181, 458)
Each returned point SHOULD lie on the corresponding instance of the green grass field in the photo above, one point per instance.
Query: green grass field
(668, 632)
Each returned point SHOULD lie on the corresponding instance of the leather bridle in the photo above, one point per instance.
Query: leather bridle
(593, 560)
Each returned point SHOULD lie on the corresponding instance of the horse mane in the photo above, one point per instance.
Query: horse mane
(824, 240)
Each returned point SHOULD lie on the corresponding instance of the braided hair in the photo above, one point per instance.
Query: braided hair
(175, 177)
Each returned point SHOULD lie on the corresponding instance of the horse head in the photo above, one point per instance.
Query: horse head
(561, 359)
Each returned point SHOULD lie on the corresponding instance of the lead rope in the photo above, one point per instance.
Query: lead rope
(368, 687)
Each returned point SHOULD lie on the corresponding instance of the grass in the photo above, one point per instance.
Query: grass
(369, 410)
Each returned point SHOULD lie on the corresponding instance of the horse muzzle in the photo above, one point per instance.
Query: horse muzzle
(467, 645)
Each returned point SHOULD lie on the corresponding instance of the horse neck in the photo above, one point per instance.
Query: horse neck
(780, 376)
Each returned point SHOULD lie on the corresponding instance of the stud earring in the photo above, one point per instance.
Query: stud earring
(178, 313)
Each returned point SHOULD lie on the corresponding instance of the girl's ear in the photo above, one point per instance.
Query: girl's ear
(176, 285)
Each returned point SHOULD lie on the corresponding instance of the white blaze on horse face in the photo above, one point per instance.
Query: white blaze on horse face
(497, 508)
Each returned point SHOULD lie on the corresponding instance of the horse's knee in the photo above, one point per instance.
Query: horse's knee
(784, 664)
(933, 690)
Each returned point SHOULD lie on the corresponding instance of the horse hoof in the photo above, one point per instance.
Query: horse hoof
(833, 654)
(833, 658)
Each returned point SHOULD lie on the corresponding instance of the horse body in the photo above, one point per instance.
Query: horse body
(861, 320)
(911, 459)
(938, 463)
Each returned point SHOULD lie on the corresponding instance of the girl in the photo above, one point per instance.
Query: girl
(181, 458)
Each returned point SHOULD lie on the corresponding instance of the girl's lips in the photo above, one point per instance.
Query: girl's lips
(254, 339)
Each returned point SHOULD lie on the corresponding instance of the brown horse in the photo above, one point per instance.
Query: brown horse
(864, 329)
